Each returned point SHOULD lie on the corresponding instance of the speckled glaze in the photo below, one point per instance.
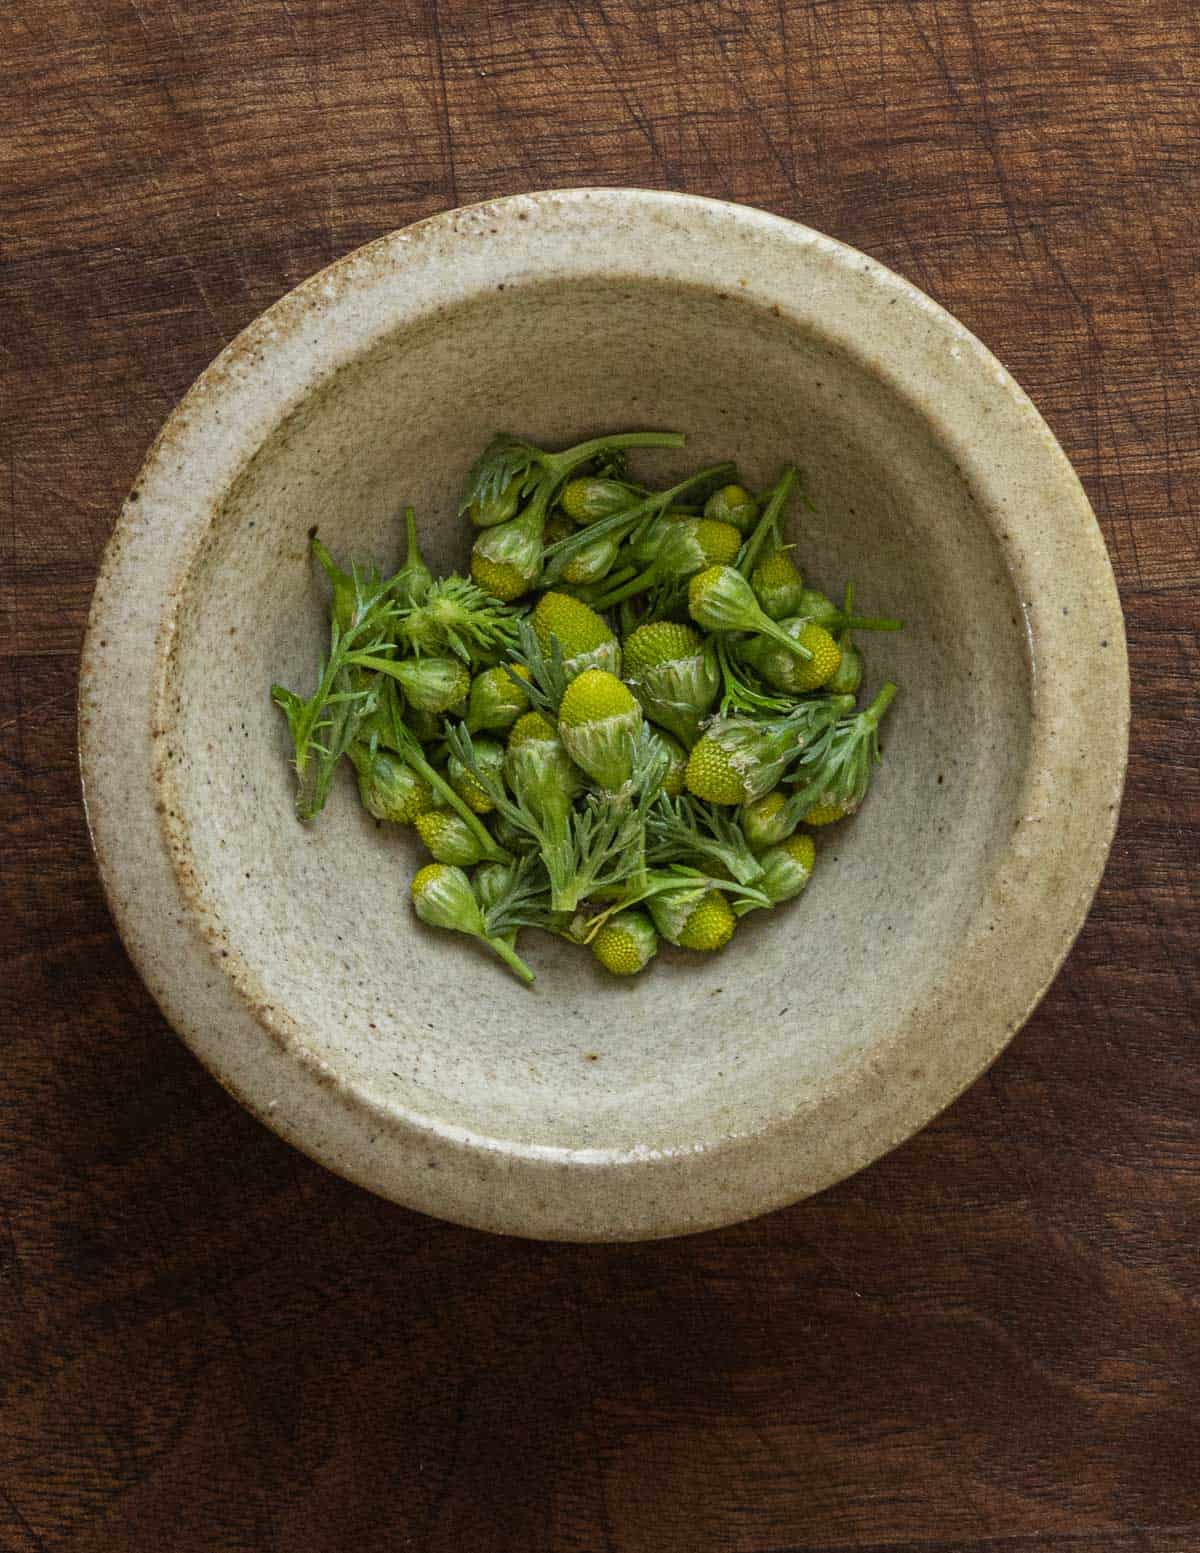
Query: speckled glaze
(711, 1089)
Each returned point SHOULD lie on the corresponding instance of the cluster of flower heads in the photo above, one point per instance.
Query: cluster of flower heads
(615, 729)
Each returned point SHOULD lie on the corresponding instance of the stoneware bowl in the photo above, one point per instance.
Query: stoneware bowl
(710, 1089)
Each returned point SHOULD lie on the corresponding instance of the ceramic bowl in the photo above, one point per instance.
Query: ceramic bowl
(710, 1089)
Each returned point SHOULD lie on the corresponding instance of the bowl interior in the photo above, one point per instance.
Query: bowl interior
(316, 921)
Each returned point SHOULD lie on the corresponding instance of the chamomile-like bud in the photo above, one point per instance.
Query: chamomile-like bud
(738, 759)
(847, 677)
(442, 897)
(781, 668)
(495, 702)
(766, 822)
(389, 789)
(818, 606)
(490, 756)
(599, 721)
(733, 504)
(431, 684)
(593, 563)
(588, 498)
(449, 838)
(540, 772)
(720, 599)
(585, 638)
(675, 676)
(626, 943)
(705, 924)
(777, 584)
(496, 507)
(506, 560)
(787, 868)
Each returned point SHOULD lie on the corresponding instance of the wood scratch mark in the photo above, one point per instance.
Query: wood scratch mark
(1124, 513)
(754, 108)
(195, 119)
(18, 1275)
(10, 567)
(638, 117)
(24, 713)
(986, 127)
(310, 74)
(197, 281)
(985, 130)
(72, 499)
(15, 1511)
(444, 99)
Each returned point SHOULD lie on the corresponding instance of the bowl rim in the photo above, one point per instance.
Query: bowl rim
(196, 976)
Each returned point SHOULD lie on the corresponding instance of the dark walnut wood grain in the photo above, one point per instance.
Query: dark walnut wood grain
(991, 1340)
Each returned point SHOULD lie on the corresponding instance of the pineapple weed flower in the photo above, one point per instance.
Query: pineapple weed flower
(616, 727)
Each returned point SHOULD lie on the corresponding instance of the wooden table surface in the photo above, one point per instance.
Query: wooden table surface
(990, 1340)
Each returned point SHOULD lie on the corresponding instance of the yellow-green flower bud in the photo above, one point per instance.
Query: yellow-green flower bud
(700, 919)
(787, 868)
(766, 822)
(783, 669)
(449, 838)
(588, 498)
(583, 635)
(718, 543)
(540, 772)
(497, 507)
(777, 585)
(495, 702)
(389, 789)
(733, 504)
(506, 560)
(818, 606)
(720, 599)
(442, 897)
(847, 677)
(431, 684)
(675, 676)
(490, 756)
(598, 721)
(626, 943)
(738, 759)
(592, 563)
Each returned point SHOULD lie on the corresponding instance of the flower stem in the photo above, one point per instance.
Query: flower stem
(558, 857)
(768, 524)
(881, 703)
(570, 458)
(627, 589)
(364, 660)
(409, 750)
(844, 622)
(767, 627)
(558, 554)
(511, 958)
